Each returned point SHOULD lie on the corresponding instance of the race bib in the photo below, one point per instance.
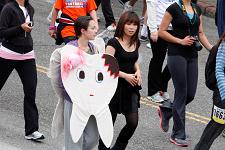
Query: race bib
(218, 115)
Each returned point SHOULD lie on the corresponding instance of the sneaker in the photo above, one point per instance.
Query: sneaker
(127, 7)
(165, 96)
(164, 122)
(179, 142)
(35, 136)
(223, 133)
(143, 38)
(112, 27)
(157, 98)
(148, 45)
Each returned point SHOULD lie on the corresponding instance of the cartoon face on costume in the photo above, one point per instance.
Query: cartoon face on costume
(90, 81)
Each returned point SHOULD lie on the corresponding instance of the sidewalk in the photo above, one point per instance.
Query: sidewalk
(208, 7)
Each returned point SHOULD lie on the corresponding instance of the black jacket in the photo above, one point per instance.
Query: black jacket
(14, 37)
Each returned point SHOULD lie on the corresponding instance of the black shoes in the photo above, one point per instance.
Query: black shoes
(165, 113)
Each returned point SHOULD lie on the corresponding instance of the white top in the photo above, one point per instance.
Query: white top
(25, 12)
(155, 11)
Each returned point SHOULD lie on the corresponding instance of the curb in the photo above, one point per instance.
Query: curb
(207, 9)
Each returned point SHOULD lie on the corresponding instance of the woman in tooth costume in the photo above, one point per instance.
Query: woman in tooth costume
(64, 115)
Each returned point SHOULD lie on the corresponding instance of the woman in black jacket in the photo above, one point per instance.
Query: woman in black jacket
(16, 52)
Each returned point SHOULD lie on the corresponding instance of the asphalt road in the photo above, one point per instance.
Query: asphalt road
(147, 136)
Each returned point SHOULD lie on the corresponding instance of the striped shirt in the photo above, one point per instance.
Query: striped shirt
(220, 65)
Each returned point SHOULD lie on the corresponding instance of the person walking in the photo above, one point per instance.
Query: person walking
(157, 79)
(16, 52)
(215, 127)
(124, 47)
(220, 23)
(71, 10)
(186, 20)
(85, 28)
(108, 14)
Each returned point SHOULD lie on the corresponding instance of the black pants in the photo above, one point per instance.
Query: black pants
(28, 75)
(213, 129)
(107, 11)
(185, 78)
(211, 132)
(158, 79)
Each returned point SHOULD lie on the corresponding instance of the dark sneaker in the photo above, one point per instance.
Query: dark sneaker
(164, 122)
(35, 136)
(179, 142)
(223, 133)
(143, 38)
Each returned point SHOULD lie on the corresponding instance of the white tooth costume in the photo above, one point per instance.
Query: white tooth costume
(90, 85)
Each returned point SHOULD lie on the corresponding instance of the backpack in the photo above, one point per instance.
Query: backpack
(210, 76)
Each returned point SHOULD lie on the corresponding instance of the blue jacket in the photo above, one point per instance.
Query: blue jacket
(220, 16)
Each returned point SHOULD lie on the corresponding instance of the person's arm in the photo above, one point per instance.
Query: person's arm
(167, 18)
(55, 73)
(220, 65)
(128, 77)
(6, 31)
(93, 15)
(152, 19)
(203, 39)
(138, 73)
(52, 28)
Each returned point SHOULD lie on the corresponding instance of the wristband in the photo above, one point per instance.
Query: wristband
(51, 27)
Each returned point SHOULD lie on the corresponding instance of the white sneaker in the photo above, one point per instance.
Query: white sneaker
(112, 27)
(166, 96)
(127, 7)
(148, 45)
(157, 98)
(35, 136)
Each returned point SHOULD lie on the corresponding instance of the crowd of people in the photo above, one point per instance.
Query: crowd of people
(174, 29)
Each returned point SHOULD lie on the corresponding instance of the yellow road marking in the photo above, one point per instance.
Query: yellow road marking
(195, 119)
(42, 68)
(144, 101)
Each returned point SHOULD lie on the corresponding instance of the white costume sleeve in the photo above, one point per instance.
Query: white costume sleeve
(152, 15)
(56, 81)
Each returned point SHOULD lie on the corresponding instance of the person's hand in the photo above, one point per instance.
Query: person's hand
(154, 36)
(138, 77)
(131, 78)
(187, 41)
(26, 27)
(52, 33)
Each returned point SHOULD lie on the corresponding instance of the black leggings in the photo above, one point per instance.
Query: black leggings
(127, 131)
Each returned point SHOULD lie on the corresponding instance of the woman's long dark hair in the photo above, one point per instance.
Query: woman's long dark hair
(126, 18)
